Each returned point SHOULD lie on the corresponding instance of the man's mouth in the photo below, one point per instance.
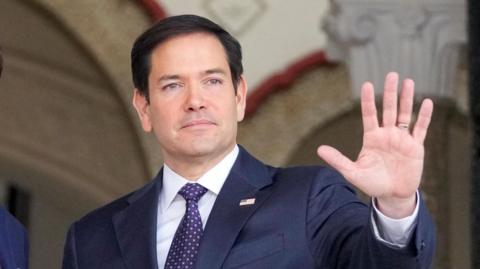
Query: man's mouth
(197, 123)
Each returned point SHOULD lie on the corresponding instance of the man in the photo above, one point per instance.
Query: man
(213, 205)
(13, 238)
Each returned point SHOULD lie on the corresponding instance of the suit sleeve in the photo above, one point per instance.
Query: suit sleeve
(70, 252)
(17, 242)
(341, 235)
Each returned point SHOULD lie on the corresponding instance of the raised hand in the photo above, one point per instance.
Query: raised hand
(390, 163)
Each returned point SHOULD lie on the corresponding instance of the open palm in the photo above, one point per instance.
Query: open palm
(390, 163)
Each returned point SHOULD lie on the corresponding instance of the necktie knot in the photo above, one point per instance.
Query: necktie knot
(192, 192)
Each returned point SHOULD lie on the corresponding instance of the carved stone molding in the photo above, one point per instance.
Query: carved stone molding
(419, 39)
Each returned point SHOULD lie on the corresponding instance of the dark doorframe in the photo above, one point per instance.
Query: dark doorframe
(474, 85)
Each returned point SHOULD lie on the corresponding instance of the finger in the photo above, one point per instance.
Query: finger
(406, 103)
(369, 110)
(337, 160)
(390, 100)
(423, 121)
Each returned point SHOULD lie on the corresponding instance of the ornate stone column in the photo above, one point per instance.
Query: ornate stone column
(420, 40)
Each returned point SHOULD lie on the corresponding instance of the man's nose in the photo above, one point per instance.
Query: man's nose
(194, 99)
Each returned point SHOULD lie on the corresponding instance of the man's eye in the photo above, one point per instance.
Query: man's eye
(214, 81)
(171, 86)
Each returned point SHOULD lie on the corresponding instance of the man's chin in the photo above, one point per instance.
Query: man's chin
(199, 150)
(207, 149)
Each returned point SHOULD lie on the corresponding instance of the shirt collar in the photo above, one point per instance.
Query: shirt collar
(212, 180)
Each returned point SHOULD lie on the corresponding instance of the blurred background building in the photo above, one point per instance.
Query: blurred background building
(70, 140)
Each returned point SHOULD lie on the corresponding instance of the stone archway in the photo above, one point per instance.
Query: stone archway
(107, 30)
(68, 135)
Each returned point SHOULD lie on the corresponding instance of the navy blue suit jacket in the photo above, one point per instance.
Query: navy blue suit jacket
(304, 217)
(13, 242)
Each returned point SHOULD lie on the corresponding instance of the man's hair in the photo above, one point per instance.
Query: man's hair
(173, 27)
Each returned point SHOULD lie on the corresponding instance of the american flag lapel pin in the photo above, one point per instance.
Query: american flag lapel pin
(249, 201)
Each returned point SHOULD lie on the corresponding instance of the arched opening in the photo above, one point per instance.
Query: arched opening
(67, 139)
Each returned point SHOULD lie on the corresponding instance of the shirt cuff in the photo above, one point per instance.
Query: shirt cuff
(394, 232)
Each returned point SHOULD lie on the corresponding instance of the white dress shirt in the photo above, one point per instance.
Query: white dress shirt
(171, 208)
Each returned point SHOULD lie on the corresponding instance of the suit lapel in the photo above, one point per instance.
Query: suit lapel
(135, 227)
(247, 179)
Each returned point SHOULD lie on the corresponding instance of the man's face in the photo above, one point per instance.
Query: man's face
(193, 109)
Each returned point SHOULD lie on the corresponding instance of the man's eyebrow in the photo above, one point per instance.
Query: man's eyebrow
(167, 77)
(215, 71)
(206, 72)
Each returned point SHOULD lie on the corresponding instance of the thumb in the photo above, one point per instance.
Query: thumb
(337, 160)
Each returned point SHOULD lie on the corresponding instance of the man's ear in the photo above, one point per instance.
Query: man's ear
(241, 98)
(142, 107)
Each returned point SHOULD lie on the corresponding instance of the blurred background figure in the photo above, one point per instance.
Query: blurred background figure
(13, 237)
